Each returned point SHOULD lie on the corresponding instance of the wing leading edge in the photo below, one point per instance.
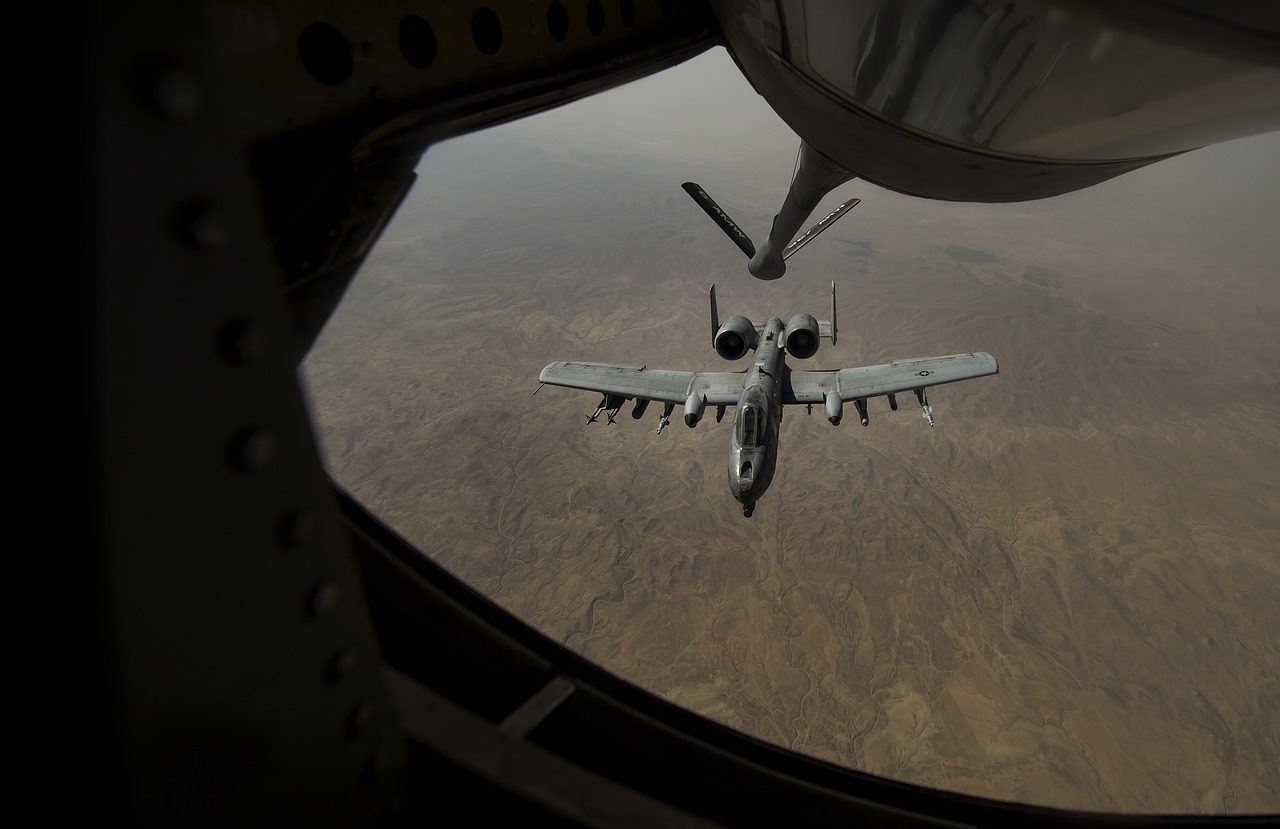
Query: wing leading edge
(890, 378)
(717, 388)
(723, 388)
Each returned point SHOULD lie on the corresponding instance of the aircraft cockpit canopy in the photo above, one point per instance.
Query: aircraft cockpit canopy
(750, 425)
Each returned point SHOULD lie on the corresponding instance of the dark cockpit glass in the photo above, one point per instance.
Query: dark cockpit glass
(750, 425)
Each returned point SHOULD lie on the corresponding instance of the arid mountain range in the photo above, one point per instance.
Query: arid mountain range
(1067, 593)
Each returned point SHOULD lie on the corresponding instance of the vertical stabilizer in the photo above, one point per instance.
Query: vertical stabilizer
(827, 328)
(834, 327)
(715, 316)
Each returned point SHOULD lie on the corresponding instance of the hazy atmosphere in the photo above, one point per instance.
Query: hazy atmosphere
(1067, 593)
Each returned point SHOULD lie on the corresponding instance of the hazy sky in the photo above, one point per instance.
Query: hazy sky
(704, 112)
(705, 106)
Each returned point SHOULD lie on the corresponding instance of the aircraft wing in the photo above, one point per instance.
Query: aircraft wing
(718, 388)
(890, 378)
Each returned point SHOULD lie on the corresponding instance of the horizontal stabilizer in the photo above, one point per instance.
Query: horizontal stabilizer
(708, 204)
(812, 233)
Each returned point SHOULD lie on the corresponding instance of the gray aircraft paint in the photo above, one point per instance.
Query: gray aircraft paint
(753, 443)
(759, 392)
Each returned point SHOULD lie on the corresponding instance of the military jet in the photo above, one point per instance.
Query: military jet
(760, 391)
(815, 176)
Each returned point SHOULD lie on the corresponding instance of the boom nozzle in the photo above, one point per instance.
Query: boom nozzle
(816, 175)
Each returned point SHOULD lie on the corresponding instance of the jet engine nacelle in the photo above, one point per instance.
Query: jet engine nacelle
(735, 338)
(693, 408)
(802, 336)
(834, 407)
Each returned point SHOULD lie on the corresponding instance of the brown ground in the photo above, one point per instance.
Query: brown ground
(1066, 593)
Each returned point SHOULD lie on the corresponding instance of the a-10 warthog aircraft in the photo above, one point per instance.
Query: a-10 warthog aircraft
(760, 391)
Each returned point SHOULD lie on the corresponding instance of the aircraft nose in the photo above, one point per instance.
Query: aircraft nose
(742, 481)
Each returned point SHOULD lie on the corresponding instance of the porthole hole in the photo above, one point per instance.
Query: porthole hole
(557, 21)
(627, 11)
(486, 30)
(595, 17)
(417, 42)
(325, 53)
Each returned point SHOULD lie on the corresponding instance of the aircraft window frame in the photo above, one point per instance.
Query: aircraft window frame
(754, 438)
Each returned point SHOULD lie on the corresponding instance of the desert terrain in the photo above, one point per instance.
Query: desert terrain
(1067, 593)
